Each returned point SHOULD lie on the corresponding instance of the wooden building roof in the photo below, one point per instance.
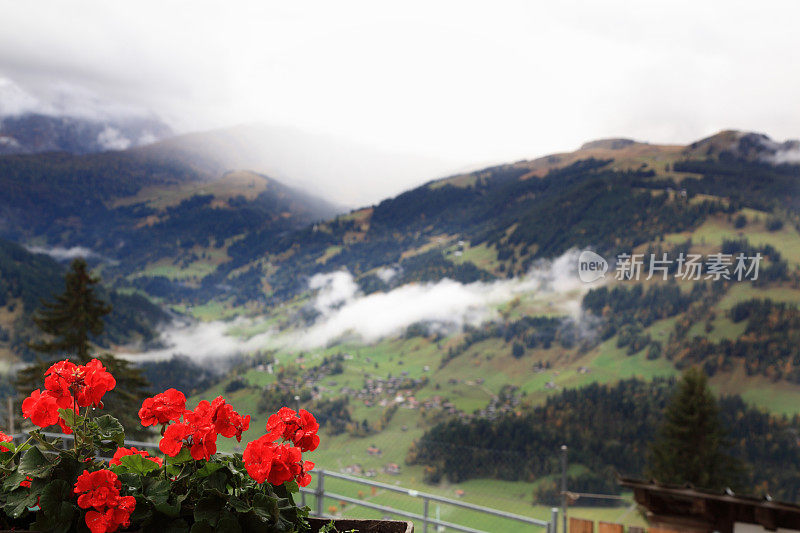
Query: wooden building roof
(685, 508)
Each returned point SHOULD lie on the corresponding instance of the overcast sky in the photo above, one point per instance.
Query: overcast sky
(465, 81)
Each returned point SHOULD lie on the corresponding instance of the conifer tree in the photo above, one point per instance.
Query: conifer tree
(73, 317)
(691, 444)
(70, 321)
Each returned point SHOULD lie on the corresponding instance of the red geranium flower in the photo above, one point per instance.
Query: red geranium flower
(281, 425)
(202, 429)
(173, 439)
(26, 482)
(120, 516)
(98, 523)
(96, 381)
(306, 437)
(285, 464)
(304, 478)
(41, 408)
(301, 430)
(228, 422)
(266, 460)
(122, 452)
(258, 456)
(163, 408)
(112, 519)
(5, 438)
(199, 429)
(98, 489)
(61, 380)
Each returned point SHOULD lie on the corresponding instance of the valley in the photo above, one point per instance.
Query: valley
(456, 302)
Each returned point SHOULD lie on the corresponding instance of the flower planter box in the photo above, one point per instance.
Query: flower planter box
(363, 526)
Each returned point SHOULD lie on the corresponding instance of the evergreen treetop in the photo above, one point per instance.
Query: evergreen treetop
(691, 444)
(73, 317)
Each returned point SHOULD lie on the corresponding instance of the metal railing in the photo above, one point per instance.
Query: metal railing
(320, 494)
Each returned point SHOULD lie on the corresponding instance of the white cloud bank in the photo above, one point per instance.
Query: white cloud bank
(447, 303)
(202, 341)
(346, 313)
(60, 253)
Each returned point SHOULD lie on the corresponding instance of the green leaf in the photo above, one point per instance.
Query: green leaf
(169, 509)
(35, 464)
(202, 527)
(12, 482)
(291, 486)
(69, 416)
(108, 428)
(158, 492)
(176, 526)
(183, 457)
(207, 469)
(130, 480)
(56, 512)
(239, 505)
(209, 509)
(138, 464)
(229, 524)
(218, 481)
(265, 507)
(18, 502)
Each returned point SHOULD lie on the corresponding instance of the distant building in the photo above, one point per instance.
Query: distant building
(392, 468)
(683, 508)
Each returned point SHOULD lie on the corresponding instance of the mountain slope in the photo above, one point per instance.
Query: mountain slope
(137, 208)
(609, 195)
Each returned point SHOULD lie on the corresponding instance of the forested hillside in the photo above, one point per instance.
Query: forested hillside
(608, 430)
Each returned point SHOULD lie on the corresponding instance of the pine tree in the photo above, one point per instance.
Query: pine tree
(691, 443)
(70, 321)
(73, 317)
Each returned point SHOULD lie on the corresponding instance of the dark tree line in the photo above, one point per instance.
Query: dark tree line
(608, 429)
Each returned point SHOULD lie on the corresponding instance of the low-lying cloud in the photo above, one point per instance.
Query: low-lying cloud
(203, 341)
(60, 253)
(446, 303)
(344, 313)
(789, 155)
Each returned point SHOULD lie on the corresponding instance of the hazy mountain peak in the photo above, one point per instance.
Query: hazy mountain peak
(71, 119)
(609, 144)
(31, 133)
(746, 145)
(342, 171)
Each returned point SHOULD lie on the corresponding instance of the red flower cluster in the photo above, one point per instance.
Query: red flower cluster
(163, 408)
(267, 460)
(199, 429)
(99, 491)
(300, 428)
(5, 438)
(122, 452)
(67, 386)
